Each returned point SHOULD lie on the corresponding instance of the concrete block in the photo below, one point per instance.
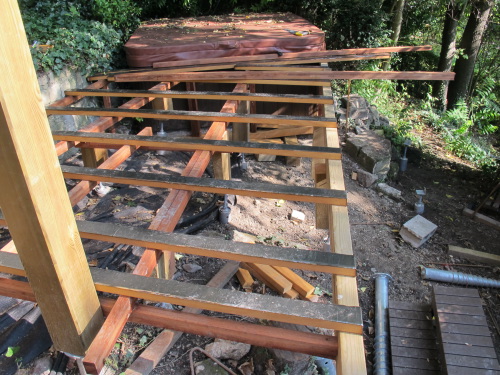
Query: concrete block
(297, 216)
(417, 231)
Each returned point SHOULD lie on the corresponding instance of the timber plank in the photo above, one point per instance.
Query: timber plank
(204, 246)
(208, 95)
(195, 115)
(296, 55)
(409, 306)
(338, 317)
(472, 362)
(469, 350)
(281, 132)
(259, 189)
(415, 333)
(478, 256)
(460, 300)
(465, 329)
(457, 370)
(454, 291)
(401, 351)
(412, 371)
(458, 309)
(293, 150)
(34, 200)
(254, 334)
(475, 320)
(416, 363)
(458, 338)
(410, 342)
(276, 75)
(481, 218)
(410, 323)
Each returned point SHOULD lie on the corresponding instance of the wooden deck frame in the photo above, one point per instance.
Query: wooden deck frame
(182, 144)
(202, 116)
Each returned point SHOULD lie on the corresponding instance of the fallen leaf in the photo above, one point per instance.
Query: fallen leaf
(449, 196)
(363, 289)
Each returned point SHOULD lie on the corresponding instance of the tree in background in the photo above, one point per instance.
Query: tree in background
(471, 45)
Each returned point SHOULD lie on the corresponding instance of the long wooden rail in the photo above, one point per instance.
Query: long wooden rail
(195, 144)
(209, 95)
(192, 115)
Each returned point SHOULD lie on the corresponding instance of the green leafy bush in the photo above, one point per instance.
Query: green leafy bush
(122, 15)
(77, 42)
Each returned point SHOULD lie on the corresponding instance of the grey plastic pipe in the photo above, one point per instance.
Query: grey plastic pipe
(457, 278)
(382, 366)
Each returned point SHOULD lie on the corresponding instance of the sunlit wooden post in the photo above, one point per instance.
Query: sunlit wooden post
(34, 199)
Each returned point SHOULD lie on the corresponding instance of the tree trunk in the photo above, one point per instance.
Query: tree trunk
(397, 21)
(448, 48)
(470, 43)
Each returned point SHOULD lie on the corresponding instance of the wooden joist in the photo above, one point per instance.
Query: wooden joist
(337, 317)
(192, 115)
(478, 256)
(252, 189)
(216, 248)
(292, 150)
(296, 55)
(276, 75)
(208, 95)
(254, 334)
(103, 123)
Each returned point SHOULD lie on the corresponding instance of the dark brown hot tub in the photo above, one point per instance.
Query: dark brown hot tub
(221, 36)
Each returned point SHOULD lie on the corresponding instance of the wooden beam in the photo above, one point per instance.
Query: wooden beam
(181, 243)
(208, 95)
(296, 55)
(351, 356)
(478, 256)
(281, 132)
(166, 219)
(295, 150)
(254, 334)
(70, 99)
(337, 317)
(221, 163)
(252, 189)
(271, 75)
(480, 218)
(34, 200)
(103, 123)
(187, 115)
(193, 106)
(162, 343)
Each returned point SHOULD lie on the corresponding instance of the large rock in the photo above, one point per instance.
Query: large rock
(371, 151)
(224, 349)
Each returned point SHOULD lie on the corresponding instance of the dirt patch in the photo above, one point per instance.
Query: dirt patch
(375, 222)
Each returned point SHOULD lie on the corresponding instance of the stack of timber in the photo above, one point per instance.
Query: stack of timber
(53, 234)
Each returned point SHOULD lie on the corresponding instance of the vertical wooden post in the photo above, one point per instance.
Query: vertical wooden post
(34, 199)
(221, 162)
(253, 108)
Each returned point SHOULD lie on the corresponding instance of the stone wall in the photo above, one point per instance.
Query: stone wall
(52, 87)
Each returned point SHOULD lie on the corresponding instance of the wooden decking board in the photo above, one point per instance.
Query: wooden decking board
(209, 95)
(466, 348)
(465, 329)
(469, 350)
(412, 343)
(415, 363)
(201, 144)
(459, 309)
(409, 306)
(457, 338)
(456, 370)
(472, 362)
(401, 351)
(415, 333)
(410, 323)
(473, 320)
(410, 371)
(452, 291)
(196, 115)
(415, 315)
(205, 246)
(258, 189)
(337, 317)
(462, 301)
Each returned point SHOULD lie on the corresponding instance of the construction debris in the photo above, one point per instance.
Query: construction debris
(417, 231)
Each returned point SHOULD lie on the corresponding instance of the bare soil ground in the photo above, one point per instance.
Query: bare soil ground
(375, 223)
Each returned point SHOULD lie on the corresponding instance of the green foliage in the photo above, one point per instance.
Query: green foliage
(11, 351)
(77, 42)
(122, 15)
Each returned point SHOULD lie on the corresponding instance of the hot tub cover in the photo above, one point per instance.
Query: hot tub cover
(221, 36)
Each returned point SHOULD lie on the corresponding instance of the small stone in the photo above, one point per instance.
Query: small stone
(417, 231)
(354, 176)
(191, 267)
(297, 216)
(42, 366)
(389, 191)
(224, 349)
(366, 179)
